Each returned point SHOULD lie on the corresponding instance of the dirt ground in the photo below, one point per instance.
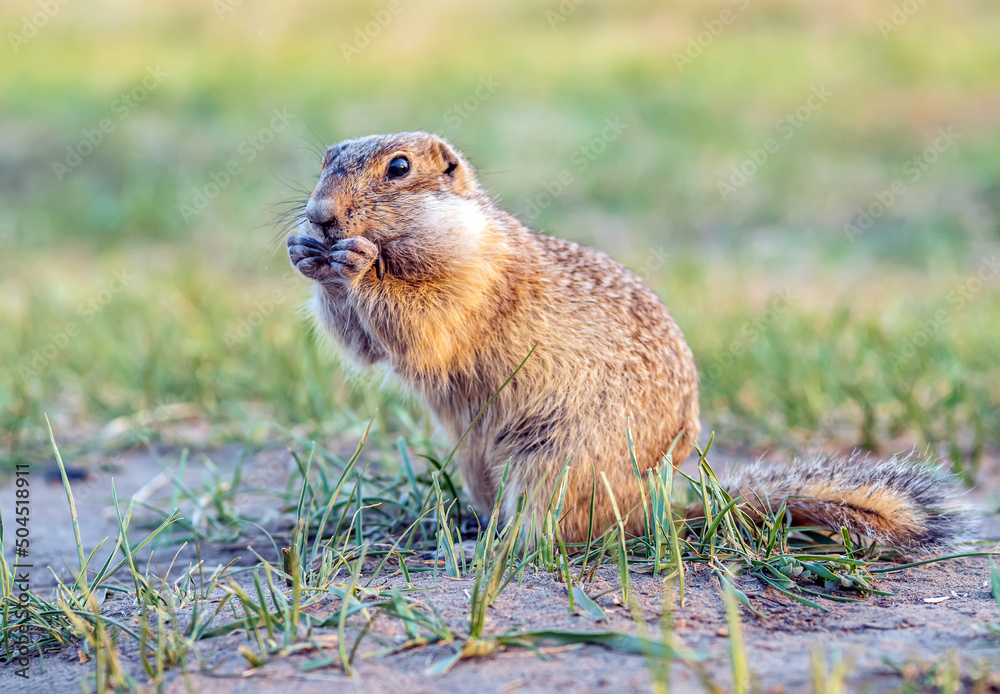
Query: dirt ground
(934, 610)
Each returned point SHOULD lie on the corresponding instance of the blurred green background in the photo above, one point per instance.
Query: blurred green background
(814, 190)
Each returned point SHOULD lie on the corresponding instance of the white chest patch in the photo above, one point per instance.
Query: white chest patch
(458, 218)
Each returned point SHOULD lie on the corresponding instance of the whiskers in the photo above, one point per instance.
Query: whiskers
(317, 146)
(288, 214)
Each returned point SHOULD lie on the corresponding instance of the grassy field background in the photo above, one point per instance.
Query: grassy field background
(813, 190)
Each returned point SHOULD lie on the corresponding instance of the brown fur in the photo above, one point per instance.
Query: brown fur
(902, 502)
(425, 273)
(466, 293)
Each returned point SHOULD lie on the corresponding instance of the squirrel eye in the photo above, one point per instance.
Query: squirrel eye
(398, 167)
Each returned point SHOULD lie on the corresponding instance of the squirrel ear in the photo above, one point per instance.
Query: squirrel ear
(446, 157)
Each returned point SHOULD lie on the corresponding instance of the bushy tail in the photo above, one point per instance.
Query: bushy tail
(902, 502)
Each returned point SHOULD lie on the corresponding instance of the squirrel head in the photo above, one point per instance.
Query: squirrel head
(391, 187)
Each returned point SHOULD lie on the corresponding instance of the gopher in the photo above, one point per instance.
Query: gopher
(414, 265)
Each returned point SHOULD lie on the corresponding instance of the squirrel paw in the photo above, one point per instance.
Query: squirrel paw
(309, 257)
(353, 257)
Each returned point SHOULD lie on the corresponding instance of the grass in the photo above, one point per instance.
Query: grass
(947, 675)
(995, 589)
(795, 326)
(130, 323)
(349, 526)
(811, 376)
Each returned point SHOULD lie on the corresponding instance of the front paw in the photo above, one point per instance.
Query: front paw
(308, 256)
(353, 257)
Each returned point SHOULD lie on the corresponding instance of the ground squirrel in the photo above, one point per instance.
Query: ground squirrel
(416, 266)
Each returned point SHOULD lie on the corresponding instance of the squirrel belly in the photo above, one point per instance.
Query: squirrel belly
(417, 268)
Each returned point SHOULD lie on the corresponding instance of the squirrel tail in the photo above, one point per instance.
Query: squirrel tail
(902, 503)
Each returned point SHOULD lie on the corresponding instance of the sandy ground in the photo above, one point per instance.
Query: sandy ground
(872, 634)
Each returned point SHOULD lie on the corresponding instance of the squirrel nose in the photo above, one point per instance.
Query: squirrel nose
(320, 214)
